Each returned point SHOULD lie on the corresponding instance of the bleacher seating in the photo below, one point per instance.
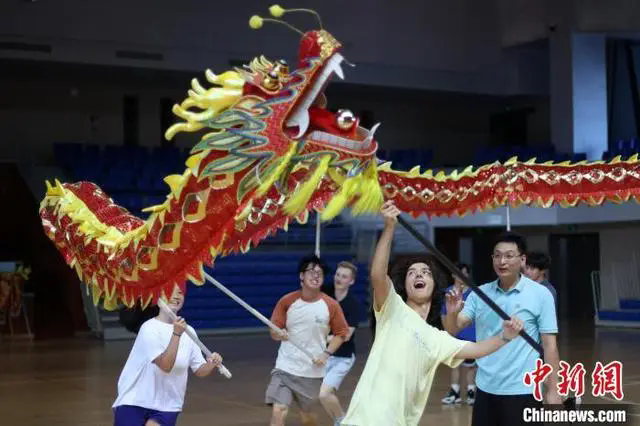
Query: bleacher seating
(409, 158)
(622, 148)
(406, 159)
(542, 153)
(622, 316)
(131, 175)
(260, 279)
(630, 304)
(628, 312)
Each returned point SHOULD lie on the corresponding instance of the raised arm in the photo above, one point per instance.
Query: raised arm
(167, 359)
(380, 280)
(454, 321)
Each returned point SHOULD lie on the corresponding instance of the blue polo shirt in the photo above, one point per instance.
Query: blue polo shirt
(502, 372)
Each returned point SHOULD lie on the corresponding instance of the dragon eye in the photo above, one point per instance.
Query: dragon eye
(281, 67)
(345, 119)
(271, 81)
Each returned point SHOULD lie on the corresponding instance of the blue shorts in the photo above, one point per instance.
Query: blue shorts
(129, 415)
(336, 370)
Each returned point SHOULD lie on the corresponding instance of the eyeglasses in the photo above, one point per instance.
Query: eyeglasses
(315, 272)
(507, 256)
(424, 272)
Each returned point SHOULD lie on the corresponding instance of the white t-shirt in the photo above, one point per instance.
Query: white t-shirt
(308, 323)
(142, 383)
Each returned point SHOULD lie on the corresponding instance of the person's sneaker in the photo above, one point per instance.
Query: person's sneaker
(452, 397)
(471, 396)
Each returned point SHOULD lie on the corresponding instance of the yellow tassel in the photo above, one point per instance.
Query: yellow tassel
(365, 185)
(371, 198)
(301, 197)
(341, 199)
(264, 187)
(337, 176)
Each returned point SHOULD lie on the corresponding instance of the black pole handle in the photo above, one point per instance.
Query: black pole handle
(442, 258)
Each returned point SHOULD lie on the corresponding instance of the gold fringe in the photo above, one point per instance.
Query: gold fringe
(339, 201)
(282, 165)
(298, 201)
(371, 198)
(365, 185)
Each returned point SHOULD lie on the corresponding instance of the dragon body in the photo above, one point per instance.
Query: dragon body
(271, 152)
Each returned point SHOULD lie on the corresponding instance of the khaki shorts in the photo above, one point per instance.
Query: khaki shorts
(284, 388)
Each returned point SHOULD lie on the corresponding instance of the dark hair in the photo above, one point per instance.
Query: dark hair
(461, 266)
(314, 261)
(398, 274)
(132, 319)
(512, 237)
(538, 259)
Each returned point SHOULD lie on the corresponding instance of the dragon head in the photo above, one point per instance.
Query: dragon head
(269, 121)
(308, 118)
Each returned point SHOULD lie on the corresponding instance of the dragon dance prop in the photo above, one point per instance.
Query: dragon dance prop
(271, 152)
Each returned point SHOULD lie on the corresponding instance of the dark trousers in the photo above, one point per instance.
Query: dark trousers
(502, 410)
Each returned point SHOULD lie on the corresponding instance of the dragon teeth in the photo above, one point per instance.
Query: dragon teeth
(336, 66)
(369, 138)
(301, 120)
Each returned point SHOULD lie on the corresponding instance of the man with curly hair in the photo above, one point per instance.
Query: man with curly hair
(407, 349)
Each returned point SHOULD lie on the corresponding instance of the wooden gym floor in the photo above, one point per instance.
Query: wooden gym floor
(73, 382)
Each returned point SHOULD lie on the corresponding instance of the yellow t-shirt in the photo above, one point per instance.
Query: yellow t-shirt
(396, 381)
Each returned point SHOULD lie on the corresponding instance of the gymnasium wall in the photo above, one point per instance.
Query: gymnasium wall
(77, 109)
(524, 21)
(617, 240)
(622, 116)
(618, 243)
(453, 45)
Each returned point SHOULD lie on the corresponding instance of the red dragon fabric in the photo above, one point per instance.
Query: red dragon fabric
(271, 152)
